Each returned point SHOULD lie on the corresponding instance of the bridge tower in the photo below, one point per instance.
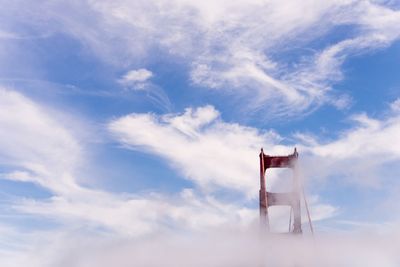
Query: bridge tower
(291, 198)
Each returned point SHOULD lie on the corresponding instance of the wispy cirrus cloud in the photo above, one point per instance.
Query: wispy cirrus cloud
(35, 144)
(201, 146)
(139, 80)
(365, 154)
(246, 49)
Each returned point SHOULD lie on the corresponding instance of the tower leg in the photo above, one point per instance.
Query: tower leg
(264, 223)
(297, 217)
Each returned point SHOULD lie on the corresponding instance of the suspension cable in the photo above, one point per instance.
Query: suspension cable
(308, 211)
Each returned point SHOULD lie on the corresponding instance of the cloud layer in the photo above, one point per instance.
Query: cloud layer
(267, 52)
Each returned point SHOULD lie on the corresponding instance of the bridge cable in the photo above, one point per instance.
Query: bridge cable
(308, 211)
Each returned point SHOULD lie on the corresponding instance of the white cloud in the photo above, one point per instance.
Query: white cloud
(234, 52)
(136, 79)
(370, 137)
(360, 154)
(139, 80)
(139, 215)
(240, 47)
(41, 150)
(201, 146)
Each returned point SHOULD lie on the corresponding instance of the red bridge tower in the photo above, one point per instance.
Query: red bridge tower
(292, 198)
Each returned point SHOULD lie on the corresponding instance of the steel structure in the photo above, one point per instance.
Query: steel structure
(268, 199)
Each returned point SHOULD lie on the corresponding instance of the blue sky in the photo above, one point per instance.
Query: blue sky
(131, 118)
